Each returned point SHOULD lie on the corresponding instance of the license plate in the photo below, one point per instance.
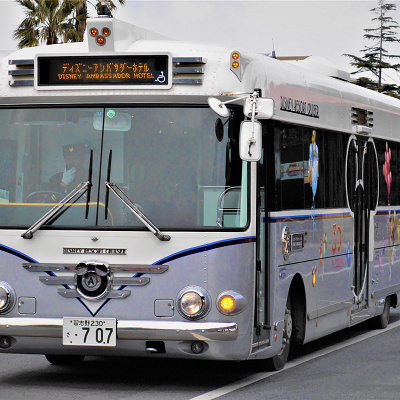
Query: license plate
(90, 332)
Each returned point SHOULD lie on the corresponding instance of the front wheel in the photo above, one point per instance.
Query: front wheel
(64, 360)
(277, 362)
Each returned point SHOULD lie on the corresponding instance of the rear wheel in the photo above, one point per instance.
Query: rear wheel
(64, 359)
(381, 321)
(277, 362)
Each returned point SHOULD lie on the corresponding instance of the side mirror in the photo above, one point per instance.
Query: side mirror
(265, 108)
(250, 141)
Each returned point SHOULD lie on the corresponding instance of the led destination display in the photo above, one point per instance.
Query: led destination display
(135, 70)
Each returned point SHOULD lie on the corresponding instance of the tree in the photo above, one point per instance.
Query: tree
(375, 58)
(48, 21)
(80, 24)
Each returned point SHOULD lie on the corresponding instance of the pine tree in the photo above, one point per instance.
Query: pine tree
(376, 58)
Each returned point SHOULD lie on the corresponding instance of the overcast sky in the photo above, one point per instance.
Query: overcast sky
(322, 28)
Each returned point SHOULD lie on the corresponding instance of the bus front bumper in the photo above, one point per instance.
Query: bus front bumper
(126, 330)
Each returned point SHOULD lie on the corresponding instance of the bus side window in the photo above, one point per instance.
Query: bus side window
(325, 154)
(292, 167)
(388, 156)
(394, 166)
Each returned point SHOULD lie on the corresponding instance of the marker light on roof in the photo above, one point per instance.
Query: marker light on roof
(100, 40)
(106, 32)
(94, 31)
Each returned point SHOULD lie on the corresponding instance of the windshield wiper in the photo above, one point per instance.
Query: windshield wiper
(135, 210)
(130, 204)
(42, 220)
(80, 189)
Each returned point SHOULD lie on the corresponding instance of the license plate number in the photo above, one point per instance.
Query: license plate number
(90, 332)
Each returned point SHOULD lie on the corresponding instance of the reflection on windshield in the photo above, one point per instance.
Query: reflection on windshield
(170, 161)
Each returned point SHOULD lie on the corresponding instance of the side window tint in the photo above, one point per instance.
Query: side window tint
(292, 168)
(310, 168)
(388, 172)
(333, 169)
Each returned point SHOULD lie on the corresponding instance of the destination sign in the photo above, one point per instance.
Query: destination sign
(136, 70)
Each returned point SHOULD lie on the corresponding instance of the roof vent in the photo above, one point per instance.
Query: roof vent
(362, 120)
(21, 72)
(188, 70)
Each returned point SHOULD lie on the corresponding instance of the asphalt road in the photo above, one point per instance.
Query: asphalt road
(350, 364)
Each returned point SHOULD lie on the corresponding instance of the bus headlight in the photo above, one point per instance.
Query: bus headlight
(193, 302)
(7, 297)
(231, 303)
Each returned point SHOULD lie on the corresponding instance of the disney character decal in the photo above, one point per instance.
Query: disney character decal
(386, 170)
(313, 164)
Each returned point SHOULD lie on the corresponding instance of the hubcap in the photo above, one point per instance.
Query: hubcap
(288, 324)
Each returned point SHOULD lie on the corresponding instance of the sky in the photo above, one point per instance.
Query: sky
(291, 27)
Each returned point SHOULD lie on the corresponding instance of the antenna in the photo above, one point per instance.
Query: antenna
(273, 55)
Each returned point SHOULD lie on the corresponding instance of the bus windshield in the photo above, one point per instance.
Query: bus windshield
(179, 166)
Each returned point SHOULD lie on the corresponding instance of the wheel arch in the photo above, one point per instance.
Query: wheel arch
(297, 296)
(393, 300)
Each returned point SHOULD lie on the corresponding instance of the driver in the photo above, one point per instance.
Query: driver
(74, 172)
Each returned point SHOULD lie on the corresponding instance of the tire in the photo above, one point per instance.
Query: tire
(381, 321)
(277, 362)
(64, 360)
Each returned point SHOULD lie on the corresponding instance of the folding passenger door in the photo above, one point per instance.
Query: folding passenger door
(362, 197)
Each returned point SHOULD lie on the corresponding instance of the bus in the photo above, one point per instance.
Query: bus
(168, 199)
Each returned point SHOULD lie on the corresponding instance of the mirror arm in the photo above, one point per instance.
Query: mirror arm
(253, 97)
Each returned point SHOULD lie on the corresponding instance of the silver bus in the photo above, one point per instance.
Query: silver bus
(168, 199)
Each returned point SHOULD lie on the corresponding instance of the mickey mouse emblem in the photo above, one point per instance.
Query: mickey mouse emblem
(92, 279)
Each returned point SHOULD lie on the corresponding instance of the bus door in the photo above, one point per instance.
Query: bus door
(262, 329)
(362, 197)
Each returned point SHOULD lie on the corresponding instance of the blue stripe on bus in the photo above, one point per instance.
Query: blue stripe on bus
(206, 247)
(16, 253)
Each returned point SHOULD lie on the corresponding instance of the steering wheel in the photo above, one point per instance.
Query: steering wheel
(45, 196)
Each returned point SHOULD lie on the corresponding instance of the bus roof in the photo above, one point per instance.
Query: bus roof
(303, 93)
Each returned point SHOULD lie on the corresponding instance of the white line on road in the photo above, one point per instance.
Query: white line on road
(262, 375)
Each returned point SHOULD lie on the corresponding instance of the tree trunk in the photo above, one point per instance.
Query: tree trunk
(80, 26)
(52, 38)
(380, 55)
